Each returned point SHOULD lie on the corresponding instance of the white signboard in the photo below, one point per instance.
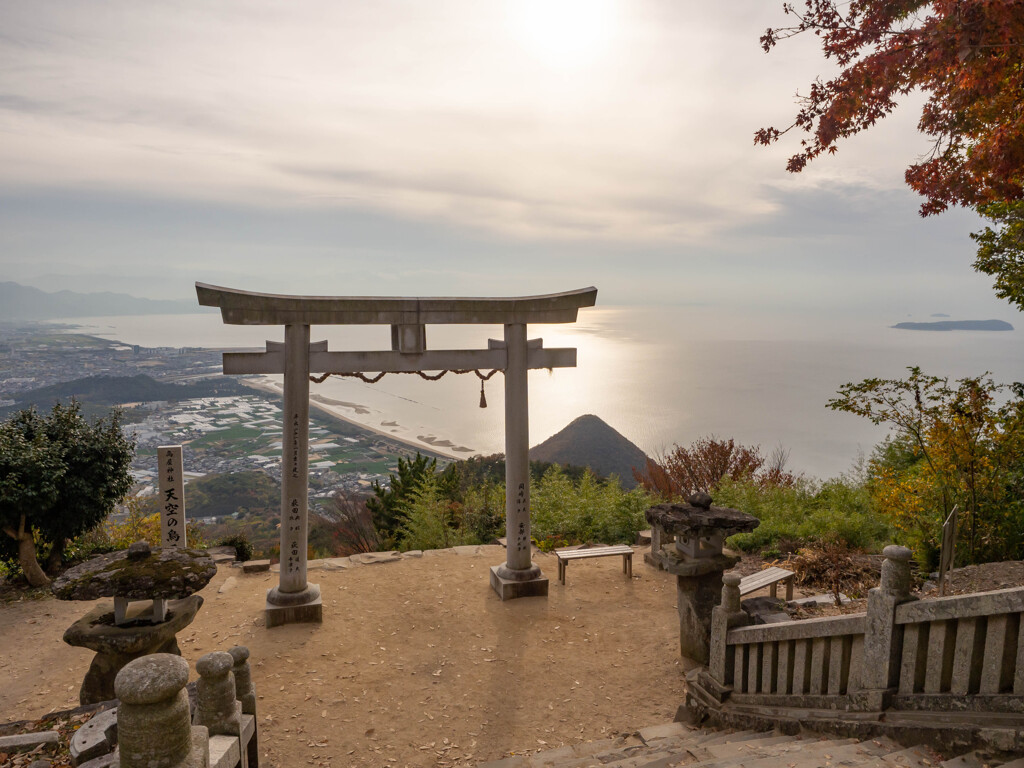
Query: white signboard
(172, 496)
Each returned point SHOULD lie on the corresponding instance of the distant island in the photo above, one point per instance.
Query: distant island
(957, 325)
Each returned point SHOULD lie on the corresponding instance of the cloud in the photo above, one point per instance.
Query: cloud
(396, 147)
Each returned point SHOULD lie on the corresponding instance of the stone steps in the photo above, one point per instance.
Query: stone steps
(674, 744)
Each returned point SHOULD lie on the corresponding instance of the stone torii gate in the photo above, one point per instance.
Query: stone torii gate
(296, 600)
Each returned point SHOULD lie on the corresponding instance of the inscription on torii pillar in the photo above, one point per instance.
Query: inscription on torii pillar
(295, 599)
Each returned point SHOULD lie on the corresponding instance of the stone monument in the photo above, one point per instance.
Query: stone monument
(295, 599)
(697, 532)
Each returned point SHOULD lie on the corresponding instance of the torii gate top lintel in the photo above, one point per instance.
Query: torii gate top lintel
(251, 308)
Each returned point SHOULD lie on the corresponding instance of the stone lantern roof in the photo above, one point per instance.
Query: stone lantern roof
(138, 573)
(698, 518)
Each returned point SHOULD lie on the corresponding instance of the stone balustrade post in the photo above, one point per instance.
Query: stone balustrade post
(216, 705)
(244, 690)
(725, 616)
(153, 728)
(246, 695)
(883, 638)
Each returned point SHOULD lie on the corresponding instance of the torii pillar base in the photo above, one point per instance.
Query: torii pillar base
(535, 583)
(294, 607)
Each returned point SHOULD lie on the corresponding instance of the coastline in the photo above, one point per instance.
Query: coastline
(323, 404)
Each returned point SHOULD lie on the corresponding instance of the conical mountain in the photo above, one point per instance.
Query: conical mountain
(589, 442)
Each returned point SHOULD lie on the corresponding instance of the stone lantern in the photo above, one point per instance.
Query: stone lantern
(165, 578)
(687, 540)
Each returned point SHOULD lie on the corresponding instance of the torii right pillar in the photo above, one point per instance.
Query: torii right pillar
(519, 576)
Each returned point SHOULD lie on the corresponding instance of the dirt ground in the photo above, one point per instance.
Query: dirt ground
(416, 663)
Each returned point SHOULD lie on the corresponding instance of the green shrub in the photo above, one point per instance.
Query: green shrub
(588, 510)
(243, 549)
(834, 511)
(483, 511)
(431, 520)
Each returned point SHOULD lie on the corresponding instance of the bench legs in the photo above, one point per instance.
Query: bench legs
(773, 588)
(627, 567)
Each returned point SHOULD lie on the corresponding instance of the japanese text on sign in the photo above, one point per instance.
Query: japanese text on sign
(172, 496)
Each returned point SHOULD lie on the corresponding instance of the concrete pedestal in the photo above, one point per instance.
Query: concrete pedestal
(294, 607)
(510, 589)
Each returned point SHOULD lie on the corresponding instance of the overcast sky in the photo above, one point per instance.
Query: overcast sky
(464, 147)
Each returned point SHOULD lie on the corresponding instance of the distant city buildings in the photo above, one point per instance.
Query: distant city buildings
(218, 434)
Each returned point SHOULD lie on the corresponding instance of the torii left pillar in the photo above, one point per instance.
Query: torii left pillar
(294, 599)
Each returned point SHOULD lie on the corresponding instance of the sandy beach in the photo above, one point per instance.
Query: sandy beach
(333, 408)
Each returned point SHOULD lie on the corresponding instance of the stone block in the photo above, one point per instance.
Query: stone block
(104, 761)
(436, 552)
(309, 612)
(511, 590)
(255, 566)
(227, 586)
(413, 553)
(224, 751)
(338, 563)
(372, 558)
(514, 761)
(552, 757)
(97, 737)
(25, 742)
(469, 549)
(663, 731)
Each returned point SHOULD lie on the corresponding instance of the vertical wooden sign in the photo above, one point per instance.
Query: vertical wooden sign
(172, 496)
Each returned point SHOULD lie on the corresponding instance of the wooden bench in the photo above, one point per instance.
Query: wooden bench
(769, 577)
(565, 555)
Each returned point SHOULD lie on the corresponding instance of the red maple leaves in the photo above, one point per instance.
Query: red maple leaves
(966, 55)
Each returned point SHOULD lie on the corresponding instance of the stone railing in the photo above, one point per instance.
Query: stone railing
(817, 657)
(152, 724)
(962, 645)
(952, 654)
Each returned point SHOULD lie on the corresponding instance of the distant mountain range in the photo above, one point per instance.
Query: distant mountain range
(957, 325)
(21, 302)
(590, 442)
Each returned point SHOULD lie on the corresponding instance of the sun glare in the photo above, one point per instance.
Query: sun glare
(563, 33)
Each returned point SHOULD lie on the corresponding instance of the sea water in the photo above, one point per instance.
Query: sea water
(659, 376)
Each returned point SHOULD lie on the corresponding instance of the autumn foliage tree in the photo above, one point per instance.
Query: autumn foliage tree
(702, 466)
(965, 56)
(953, 443)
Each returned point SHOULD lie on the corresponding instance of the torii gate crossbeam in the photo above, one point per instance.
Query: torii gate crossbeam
(294, 599)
